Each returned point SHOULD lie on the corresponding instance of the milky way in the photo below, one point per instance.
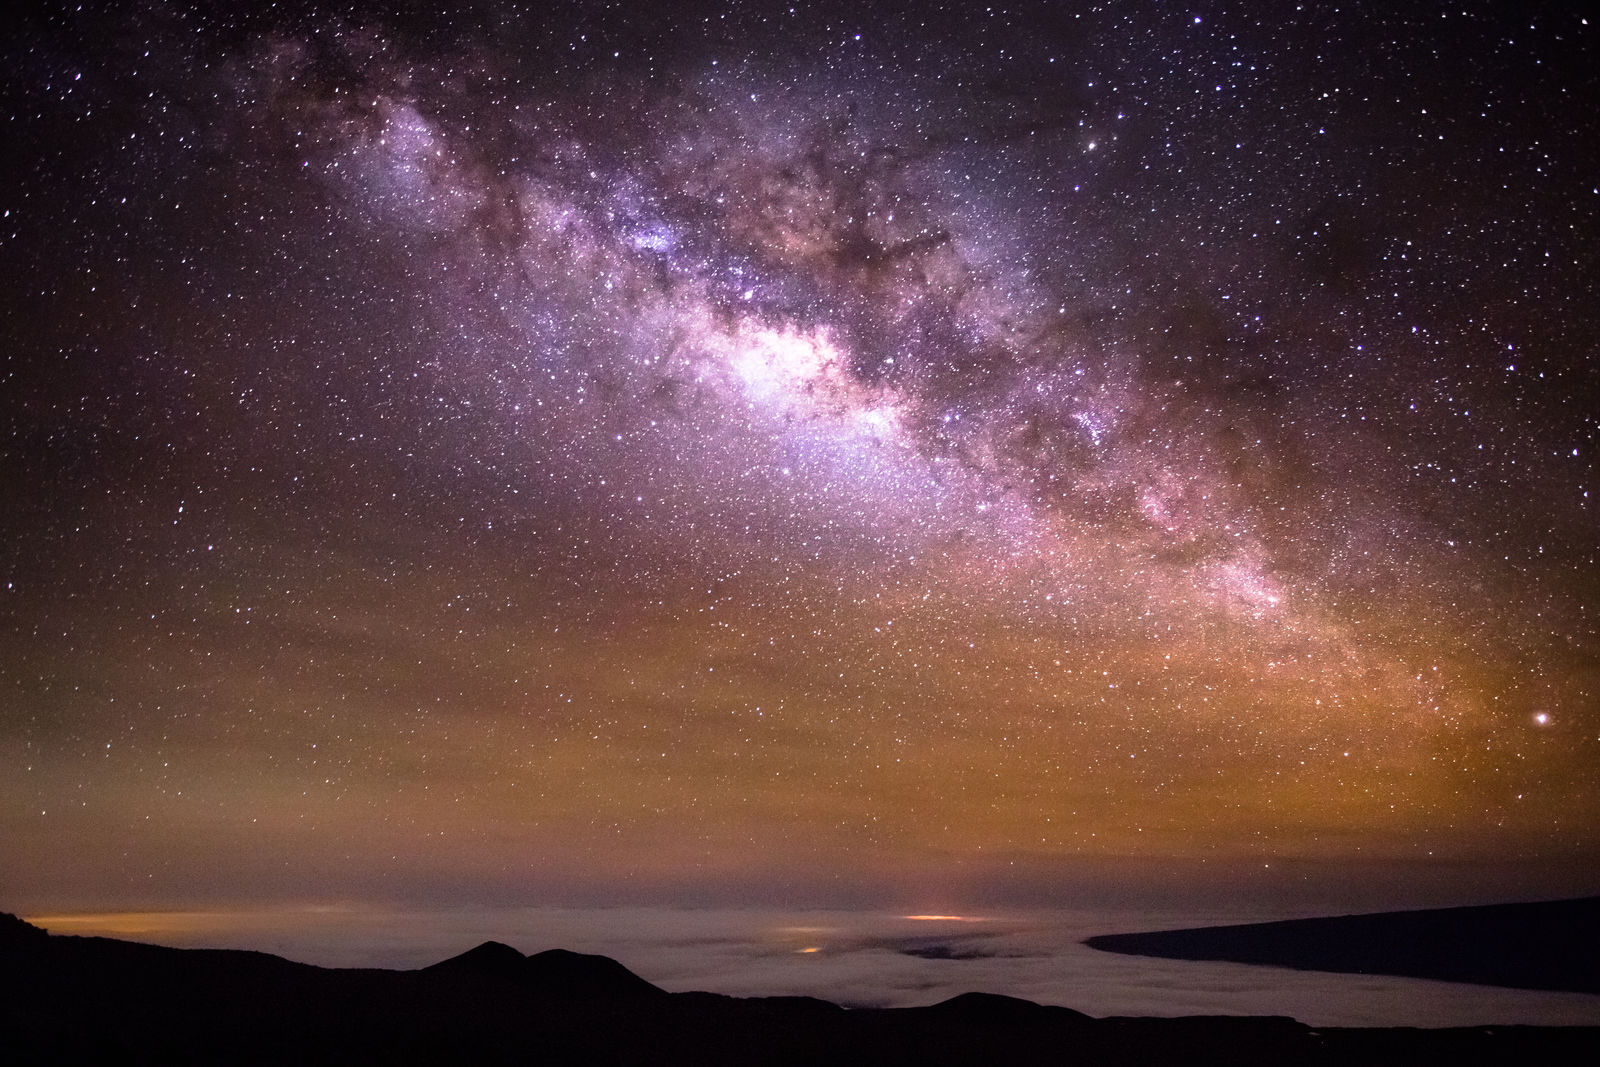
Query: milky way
(530, 452)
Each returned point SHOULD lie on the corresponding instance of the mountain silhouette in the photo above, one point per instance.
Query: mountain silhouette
(553, 973)
(998, 1009)
(71, 1000)
(1548, 945)
(490, 958)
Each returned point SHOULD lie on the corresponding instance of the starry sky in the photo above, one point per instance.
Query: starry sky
(815, 452)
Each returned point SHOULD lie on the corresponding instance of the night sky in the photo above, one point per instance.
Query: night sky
(816, 452)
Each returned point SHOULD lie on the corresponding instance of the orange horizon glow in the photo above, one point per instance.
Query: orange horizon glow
(127, 922)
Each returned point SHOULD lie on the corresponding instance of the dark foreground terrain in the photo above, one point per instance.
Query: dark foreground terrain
(1553, 945)
(97, 1000)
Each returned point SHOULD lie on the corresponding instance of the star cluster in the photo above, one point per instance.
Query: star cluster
(536, 450)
